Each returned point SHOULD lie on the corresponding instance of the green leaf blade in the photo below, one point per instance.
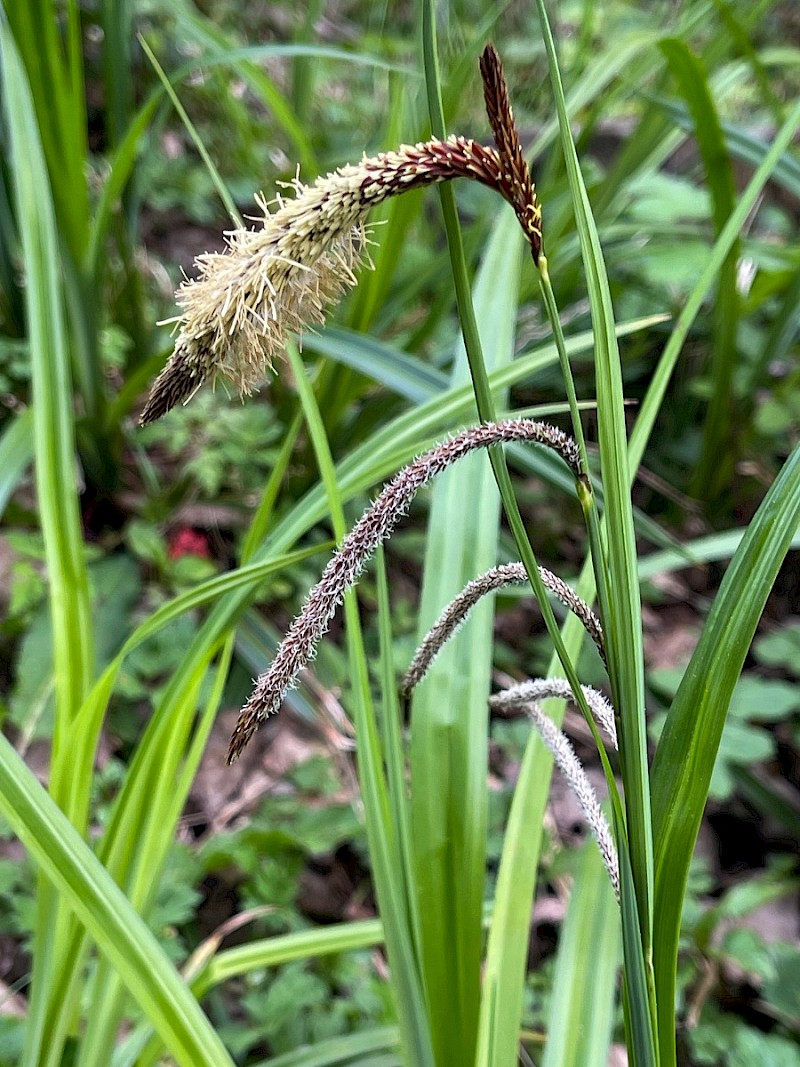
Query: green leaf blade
(582, 1007)
(685, 757)
(449, 718)
(99, 903)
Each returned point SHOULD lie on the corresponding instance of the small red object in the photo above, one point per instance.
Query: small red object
(188, 542)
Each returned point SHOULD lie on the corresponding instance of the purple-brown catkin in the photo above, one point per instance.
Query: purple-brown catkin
(525, 693)
(570, 766)
(458, 609)
(375, 525)
(516, 184)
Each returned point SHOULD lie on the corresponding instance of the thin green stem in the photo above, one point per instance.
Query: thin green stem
(622, 620)
(264, 513)
(219, 184)
(625, 657)
(385, 852)
(586, 493)
(558, 336)
(480, 381)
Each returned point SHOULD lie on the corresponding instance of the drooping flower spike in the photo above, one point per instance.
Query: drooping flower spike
(525, 693)
(374, 526)
(570, 766)
(457, 611)
(281, 276)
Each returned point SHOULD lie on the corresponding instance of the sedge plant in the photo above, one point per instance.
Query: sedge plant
(450, 1010)
(281, 276)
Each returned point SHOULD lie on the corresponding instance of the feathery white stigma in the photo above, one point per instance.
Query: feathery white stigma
(281, 276)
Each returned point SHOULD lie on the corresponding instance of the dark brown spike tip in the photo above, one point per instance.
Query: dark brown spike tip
(245, 728)
(175, 385)
(498, 104)
(517, 184)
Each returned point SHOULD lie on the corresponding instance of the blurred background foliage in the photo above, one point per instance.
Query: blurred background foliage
(675, 104)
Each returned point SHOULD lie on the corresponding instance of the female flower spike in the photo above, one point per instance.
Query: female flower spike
(280, 277)
(372, 529)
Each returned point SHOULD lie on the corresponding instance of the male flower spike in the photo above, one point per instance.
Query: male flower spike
(281, 276)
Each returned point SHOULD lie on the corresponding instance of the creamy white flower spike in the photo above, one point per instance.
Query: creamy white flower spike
(280, 277)
(525, 693)
(570, 766)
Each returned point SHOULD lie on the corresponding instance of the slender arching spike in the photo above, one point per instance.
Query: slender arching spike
(530, 692)
(458, 610)
(374, 526)
(570, 766)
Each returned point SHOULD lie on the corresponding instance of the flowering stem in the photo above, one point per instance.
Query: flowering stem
(524, 693)
(279, 277)
(262, 517)
(456, 612)
(591, 518)
(570, 766)
(585, 491)
(477, 366)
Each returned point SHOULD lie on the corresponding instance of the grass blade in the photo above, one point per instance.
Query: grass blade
(53, 430)
(16, 452)
(582, 1005)
(460, 997)
(742, 38)
(743, 145)
(669, 357)
(99, 903)
(211, 970)
(346, 1051)
(58, 109)
(54, 452)
(449, 720)
(394, 758)
(688, 747)
(118, 66)
(717, 454)
(326, 940)
(621, 614)
(386, 852)
(702, 550)
(509, 934)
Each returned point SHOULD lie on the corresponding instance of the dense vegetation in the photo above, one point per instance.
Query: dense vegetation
(361, 881)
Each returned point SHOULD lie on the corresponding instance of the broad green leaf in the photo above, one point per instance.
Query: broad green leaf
(54, 459)
(718, 449)
(98, 902)
(449, 719)
(378, 1048)
(16, 453)
(688, 747)
(580, 1022)
(208, 968)
(620, 605)
(50, 50)
(388, 852)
